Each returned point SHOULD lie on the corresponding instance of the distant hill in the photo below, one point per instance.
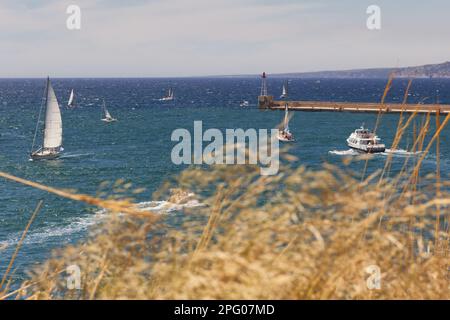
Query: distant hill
(441, 70)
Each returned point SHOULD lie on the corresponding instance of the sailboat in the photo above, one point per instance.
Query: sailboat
(284, 134)
(52, 141)
(108, 117)
(71, 103)
(169, 96)
(284, 93)
(244, 103)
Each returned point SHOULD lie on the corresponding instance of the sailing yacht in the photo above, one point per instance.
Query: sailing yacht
(285, 134)
(52, 141)
(169, 96)
(284, 93)
(108, 117)
(71, 103)
(244, 103)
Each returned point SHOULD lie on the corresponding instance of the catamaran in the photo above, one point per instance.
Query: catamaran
(364, 140)
(284, 134)
(52, 141)
(108, 117)
(71, 103)
(169, 96)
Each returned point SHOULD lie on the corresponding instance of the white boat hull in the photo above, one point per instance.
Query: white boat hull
(367, 149)
(109, 120)
(46, 154)
(283, 138)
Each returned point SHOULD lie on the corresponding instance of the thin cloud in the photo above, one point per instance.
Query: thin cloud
(203, 37)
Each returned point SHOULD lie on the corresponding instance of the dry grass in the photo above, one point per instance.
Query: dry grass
(297, 235)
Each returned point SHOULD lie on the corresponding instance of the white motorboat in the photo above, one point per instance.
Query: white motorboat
(363, 140)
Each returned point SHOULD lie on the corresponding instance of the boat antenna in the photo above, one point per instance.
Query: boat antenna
(44, 98)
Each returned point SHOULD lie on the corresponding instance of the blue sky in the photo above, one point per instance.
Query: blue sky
(137, 38)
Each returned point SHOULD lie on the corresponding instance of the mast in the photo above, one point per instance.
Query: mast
(286, 108)
(104, 108)
(286, 117)
(43, 100)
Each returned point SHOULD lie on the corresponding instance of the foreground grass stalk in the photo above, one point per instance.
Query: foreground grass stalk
(19, 244)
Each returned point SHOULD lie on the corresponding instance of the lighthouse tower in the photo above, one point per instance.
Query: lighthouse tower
(264, 100)
(264, 85)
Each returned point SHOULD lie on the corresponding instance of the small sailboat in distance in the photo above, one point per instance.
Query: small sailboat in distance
(71, 103)
(244, 103)
(108, 117)
(169, 96)
(52, 141)
(284, 93)
(285, 134)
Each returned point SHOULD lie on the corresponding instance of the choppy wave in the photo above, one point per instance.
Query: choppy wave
(12, 135)
(77, 225)
(163, 206)
(75, 155)
(44, 234)
(395, 152)
(401, 152)
(349, 152)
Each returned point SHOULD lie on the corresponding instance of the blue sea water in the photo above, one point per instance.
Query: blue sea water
(137, 148)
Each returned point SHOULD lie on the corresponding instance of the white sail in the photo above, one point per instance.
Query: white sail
(53, 122)
(71, 98)
(284, 90)
(107, 114)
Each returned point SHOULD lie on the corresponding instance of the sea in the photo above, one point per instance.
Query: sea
(137, 148)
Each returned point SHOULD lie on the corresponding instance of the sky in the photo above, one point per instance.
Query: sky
(170, 38)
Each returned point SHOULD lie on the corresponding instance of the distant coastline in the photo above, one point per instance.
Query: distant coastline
(441, 71)
(429, 71)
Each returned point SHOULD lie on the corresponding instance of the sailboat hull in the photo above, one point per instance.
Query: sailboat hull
(38, 156)
(109, 120)
(46, 154)
(284, 139)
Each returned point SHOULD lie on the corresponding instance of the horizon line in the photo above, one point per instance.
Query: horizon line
(226, 75)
